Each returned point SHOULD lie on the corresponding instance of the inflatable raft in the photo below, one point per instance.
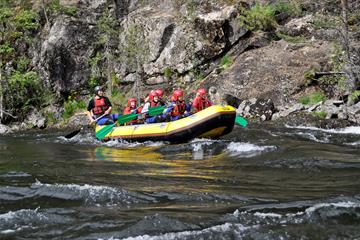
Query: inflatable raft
(211, 122)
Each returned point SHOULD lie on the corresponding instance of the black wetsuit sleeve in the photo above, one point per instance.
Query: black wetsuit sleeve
(91, 105)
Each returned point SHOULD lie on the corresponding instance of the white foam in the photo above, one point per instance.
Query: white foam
(248, 149)
(7, 231)
(347, 204)
(236, 229)
(348, 130)
(264, 215)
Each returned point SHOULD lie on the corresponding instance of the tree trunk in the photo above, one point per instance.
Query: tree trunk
(345, 28)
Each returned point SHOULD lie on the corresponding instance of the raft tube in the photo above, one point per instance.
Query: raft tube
(212, 122)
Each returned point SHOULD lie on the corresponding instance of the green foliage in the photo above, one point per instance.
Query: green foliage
(337, 64)
(56, 7)
(354, 97)
(258, 17)
(107, 28)
(293, 9)
(325, 22)
(26, 20)
(226, 61)
(319, 114)
(291, 39)
(5, 14)
(117, 98)
(168, 72)
(95, 60)
(136, 50)
(6, 49)
(23, 90)
(312, 98)
(310, 74)
(22, 63)
(93, 82)
(71, 106)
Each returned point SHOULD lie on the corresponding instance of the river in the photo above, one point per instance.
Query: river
(262, 182)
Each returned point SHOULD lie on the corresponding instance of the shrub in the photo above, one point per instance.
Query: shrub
(71, 106)
(286, 7)
(168, 72)
(258, 17)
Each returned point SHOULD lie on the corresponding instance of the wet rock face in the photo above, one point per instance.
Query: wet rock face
(63, 57)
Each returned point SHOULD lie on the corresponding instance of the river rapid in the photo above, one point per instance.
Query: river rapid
(262, 182)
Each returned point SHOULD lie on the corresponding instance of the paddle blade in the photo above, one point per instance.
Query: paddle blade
(156, 110)
(104, 131)
(127, 118)
(241, 121)
(72, 134)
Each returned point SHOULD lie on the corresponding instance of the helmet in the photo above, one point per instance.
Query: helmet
(152, 95)
(131, 100)
(201, 92)
(178, 93)
(97, 89)
(159, 92)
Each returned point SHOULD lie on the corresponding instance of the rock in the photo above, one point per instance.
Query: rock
(257, 108)
(156, 80)
(34, 120)
(354, 113)
(271, 72)
(284, 113)
(299, 26)
(4, 129)
(231, 100)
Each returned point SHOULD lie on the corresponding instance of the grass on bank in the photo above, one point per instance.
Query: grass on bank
(313, 98)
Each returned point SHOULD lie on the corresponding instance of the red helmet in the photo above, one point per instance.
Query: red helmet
(131, 100)
(178, 93)
(159, 92)
(202, 92)
(152, 95)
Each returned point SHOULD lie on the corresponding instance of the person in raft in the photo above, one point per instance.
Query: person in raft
(160, 94)
(151, 101)
(131, 109)
(178, 108)
(99, 106)
(201, 101)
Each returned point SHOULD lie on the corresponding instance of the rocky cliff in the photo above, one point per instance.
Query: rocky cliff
(269, 66)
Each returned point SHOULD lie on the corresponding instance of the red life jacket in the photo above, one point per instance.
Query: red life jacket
(178, 109)
(154, 104)
(201, 103)
(100, 106)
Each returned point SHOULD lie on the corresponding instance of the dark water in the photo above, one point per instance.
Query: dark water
(258, 183)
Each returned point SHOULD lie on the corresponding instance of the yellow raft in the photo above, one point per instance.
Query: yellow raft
(212, 122)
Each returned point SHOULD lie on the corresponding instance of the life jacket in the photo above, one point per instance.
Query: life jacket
(201, 103)
(128, 110)
(100, 106)
(179, 108)
(154, 104)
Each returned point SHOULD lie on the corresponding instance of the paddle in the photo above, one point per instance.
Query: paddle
(74, 133)
(126, 118)
(241, 121)
(152, 112)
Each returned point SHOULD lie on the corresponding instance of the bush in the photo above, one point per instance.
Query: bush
(312, 98)
(258, 17)
(71, 106)
(168, 72)
(286, 7)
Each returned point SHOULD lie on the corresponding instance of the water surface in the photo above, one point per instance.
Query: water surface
(262, 182)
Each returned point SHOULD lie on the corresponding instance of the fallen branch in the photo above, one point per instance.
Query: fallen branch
(9, 114)
(320, 74)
